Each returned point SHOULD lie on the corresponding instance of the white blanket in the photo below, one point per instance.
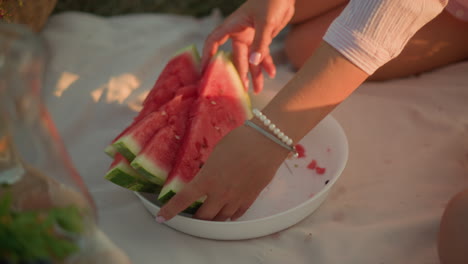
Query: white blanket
(408, 149)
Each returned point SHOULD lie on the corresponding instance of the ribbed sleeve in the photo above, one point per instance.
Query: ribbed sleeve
(372, 32)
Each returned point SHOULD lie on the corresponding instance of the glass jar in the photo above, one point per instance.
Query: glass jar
(46, 212)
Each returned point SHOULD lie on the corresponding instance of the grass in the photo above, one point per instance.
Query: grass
(197, 8)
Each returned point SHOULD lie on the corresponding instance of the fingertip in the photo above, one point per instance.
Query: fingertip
(271, 73)
(163, 215)
(160, 219)
(246, 84)
(269, 66)
(255, 58)
(258, 83)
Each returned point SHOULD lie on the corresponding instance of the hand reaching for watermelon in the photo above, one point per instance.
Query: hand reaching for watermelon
(251, 28)
(231, 179)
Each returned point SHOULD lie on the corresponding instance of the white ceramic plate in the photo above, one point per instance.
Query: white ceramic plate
(294, 193)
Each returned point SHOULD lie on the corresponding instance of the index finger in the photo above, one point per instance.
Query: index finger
(212, 43)
(219, 36)
(179, 202)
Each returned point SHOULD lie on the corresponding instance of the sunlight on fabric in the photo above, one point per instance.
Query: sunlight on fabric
(117, 89)
(137, 104)
(64, 82)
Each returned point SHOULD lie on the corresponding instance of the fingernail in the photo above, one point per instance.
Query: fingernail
(255, 58)
(160, 219)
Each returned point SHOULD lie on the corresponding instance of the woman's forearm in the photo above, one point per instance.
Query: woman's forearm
(325, 80)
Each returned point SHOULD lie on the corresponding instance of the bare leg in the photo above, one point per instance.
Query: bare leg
(304, 38)
(307, 9)
(441, 42)
(453, 235)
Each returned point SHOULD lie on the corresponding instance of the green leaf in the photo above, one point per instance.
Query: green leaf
(62, 249)
(69, 219)
(31, 235)
(5, 203)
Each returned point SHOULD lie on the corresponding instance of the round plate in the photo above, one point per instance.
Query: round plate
(298, 188)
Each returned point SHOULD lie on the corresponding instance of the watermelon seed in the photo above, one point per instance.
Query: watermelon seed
(213, 102)
(177, 137)
(327, 181)
(163, 113)
(217, 128)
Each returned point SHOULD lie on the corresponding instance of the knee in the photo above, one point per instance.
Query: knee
(453, 234)
(300, 46)
(291, 49)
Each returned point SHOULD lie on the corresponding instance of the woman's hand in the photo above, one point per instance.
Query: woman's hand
(251, 28)
(238, 169)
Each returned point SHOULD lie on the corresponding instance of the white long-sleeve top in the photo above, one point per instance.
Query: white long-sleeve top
(370, 33)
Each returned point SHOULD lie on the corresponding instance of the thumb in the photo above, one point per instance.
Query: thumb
(261, 42)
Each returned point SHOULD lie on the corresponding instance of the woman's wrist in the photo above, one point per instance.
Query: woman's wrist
(263, 146)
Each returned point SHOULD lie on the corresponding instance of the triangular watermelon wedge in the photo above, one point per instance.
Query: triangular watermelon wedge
(182, 70)
(158, 156)
(122, 174)
(134, 140)
(223, 104)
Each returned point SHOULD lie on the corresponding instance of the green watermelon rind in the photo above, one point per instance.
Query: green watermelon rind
(149, 170)
(193, 51)
(128, 147)
(110, 151)
(192, 209)
(124, 177)
(170, 189)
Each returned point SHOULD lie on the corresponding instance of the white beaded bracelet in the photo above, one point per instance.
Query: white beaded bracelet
(278, 136)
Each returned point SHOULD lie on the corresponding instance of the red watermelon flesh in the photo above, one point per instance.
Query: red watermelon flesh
(223, 104)
(132, 142)
(161, 93)
(187, 91)
(158, 156)
(177, 67)
(183, 69)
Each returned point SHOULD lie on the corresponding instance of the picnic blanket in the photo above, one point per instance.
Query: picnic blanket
(408, 148)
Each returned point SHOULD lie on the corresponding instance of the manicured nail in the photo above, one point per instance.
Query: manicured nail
(255, 58)
(160, 219)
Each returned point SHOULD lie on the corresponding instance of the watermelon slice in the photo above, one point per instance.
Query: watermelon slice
(122, 174)
(183, 69)
(157, 158)
(132, 142)
(223, 104)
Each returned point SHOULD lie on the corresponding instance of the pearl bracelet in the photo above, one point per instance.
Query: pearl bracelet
(278, 136)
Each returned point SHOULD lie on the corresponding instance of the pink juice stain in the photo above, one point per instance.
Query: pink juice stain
(314, 166)
(300, 151)
(320, 170)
